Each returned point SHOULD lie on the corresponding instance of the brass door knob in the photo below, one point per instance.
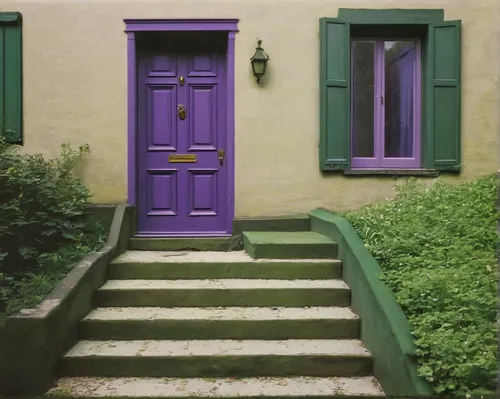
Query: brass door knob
(182, 112)
(220, 155)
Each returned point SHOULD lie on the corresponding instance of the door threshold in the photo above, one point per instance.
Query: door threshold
(186, 235)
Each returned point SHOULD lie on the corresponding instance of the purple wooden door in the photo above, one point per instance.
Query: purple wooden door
(181, 136)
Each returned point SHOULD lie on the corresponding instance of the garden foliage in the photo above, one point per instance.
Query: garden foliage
(437, 250)
(43, 223)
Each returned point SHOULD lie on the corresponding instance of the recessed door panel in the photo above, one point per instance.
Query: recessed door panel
(163, 65)
(203, 192)
(203, 123)
(162, 192)
(203, 65)
(162, 126)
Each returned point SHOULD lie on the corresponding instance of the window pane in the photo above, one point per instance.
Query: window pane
(362, 98)
(399, 92)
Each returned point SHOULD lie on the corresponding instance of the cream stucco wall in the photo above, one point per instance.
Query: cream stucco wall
(75, 90)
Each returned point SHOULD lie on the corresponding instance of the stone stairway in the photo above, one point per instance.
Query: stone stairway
(270, 321)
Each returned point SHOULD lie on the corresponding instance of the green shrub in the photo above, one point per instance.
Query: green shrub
(437, 250)
(44, 225)
(41, 204)
(28, 289)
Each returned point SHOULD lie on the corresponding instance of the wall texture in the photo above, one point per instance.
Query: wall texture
(75, 90)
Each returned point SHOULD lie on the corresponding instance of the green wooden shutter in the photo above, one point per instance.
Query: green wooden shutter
(443, 96)
(334, 144)
(11, 103)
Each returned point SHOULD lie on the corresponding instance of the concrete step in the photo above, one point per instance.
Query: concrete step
(222, 388)
(209, 265)
(220, 323)
(223, 292)
(183, 244)
(288, 245)
(218, 358)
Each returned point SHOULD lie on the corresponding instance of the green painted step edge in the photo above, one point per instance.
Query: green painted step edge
(280, 237)
(283, 251)
(249, 247)
(206, 270)
(289, 297)
(260, 245)
(385, 330)
(219, 329)
(219, 366)
(286, 223)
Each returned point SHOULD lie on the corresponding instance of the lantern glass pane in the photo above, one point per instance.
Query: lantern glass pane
(258, 67)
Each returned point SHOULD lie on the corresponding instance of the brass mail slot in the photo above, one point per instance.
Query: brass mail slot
(182, 158)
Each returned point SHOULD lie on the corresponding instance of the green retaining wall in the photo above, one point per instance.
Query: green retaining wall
(104, 213)
(385, 330)
(34, 340)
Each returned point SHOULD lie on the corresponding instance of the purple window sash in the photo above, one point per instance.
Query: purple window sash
(379, 161)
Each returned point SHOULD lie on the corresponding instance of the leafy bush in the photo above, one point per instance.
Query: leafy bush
(44, 225)
(437, 251)
(27, 289)
(41, 204)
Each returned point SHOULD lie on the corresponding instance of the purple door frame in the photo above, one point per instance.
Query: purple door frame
(185, 25)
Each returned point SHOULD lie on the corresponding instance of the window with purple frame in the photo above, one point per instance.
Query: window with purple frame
(385, 109)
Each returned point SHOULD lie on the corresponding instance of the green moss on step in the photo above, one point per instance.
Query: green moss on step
(212, 270)
(290, 297)
(220, 366)
(219, 329)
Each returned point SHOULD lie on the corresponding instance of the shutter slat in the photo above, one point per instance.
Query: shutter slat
(335, 107)
(443, 141)
(11, 77)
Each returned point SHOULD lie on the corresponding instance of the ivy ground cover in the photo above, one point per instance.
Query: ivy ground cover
(437, 250)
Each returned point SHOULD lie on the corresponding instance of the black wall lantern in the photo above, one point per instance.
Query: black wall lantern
(259, 62)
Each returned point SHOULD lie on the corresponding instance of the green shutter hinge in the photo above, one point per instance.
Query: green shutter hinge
(333, 167)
